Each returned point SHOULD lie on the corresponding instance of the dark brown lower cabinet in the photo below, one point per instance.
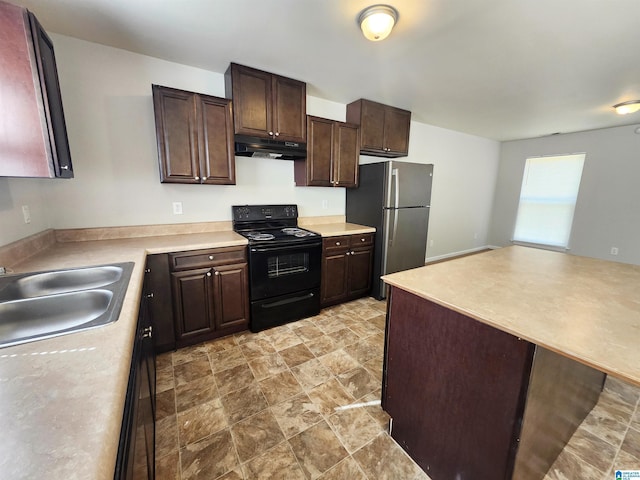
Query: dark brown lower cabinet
(209, 293)
(346, 268)
(469, 401)
(136, 450)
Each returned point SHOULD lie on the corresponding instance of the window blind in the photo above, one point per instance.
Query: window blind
(548, 198)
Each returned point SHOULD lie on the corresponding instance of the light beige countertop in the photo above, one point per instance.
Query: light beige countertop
(62, 399)
(337, 229)
(584, 308)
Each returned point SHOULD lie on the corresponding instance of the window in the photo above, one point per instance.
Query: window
(548, 199)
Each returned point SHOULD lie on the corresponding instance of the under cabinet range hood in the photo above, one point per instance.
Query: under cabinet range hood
(246, 146)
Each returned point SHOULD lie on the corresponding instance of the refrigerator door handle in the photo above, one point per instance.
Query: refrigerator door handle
(395, 227)
(396, 175)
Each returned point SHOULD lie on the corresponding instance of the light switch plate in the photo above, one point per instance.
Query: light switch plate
(177, 208)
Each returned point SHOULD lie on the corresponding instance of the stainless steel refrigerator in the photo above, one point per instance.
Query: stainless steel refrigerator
(395, 198)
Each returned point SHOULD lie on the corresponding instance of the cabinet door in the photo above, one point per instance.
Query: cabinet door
(231, 296)
(360, 262)
(52, 100)
(176, 134)
(160, 304)
(217, 159)
(319, 152)
(396, 131)
(346, 154)
(372, 126)
(289, 109)
(334, 277)
(193, 304)
(252, 101)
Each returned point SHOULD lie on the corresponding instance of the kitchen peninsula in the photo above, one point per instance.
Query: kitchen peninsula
(493, 360)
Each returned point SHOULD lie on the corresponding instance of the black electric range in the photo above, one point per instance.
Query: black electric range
(284, 264)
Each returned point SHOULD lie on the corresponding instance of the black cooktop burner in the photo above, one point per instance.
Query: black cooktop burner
(260, 236)
(279, 235)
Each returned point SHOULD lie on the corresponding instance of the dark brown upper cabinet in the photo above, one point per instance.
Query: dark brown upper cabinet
(34, 135)
(267, 105)
(332, 154)
(195, 137)
(384, 130)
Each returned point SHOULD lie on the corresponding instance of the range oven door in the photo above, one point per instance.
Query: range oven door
(280, 270)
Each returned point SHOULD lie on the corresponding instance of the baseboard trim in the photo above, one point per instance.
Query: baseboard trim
(461, 253)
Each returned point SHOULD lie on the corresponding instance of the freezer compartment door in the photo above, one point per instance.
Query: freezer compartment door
(408, 185)
(405, 238)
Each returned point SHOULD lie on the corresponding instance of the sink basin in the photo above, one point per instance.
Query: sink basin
(61, 281)
(35, 306)
(44, 317)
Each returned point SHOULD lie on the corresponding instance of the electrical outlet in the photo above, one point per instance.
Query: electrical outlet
(177, 208)
(614, 250)
(325, 204)
(26, 214)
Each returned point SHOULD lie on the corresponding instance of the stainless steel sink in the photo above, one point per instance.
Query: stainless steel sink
(35, 306)
(44, 317)
(60, 281)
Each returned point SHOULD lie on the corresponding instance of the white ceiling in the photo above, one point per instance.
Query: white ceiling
(501, 69)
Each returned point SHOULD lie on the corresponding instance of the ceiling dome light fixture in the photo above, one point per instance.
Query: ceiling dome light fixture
(377, 21)
(631, 106)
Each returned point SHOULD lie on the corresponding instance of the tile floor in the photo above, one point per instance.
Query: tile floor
(301, 401)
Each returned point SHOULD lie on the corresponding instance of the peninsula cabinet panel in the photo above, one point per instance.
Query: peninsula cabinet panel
(455, 389)
(267, 105)
(332, 155)
(194, 136)
(470, 401)
(34, 137)
(384, 130)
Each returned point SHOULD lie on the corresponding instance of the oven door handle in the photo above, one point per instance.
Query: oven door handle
(288, 300)
(306, 246)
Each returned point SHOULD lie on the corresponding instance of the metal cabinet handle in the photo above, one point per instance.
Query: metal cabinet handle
(362, 239)
(271, 133)
(277, 134)
(217, 272)
(210, 257)
(208, 274)
(338, 243)
(64, 167)
(150, 295)
(197, 178)
(147, 270)
(147, 332)
(204, 178)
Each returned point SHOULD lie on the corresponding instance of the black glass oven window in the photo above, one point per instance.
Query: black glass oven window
(287, 264)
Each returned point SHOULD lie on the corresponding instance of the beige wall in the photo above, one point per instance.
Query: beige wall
(109, 114)
(608, 207)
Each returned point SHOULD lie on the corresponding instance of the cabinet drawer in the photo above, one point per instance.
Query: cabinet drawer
(335, 243)
(361, 240)
(204, 258)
